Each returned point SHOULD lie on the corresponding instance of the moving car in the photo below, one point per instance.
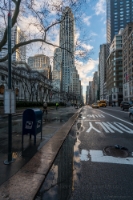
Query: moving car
(95, 105)
(131, 113)
(102, 103)
(125, 105)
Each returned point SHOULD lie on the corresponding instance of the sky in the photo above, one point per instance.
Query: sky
(90, 30)
(95, 23)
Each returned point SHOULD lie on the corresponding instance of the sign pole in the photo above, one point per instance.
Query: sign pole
(9, 160)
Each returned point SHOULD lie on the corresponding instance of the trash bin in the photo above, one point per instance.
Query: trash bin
(32, 123)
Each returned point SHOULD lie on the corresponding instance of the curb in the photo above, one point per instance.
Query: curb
(28, 180)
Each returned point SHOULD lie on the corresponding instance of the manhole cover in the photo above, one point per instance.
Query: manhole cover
(116, 151)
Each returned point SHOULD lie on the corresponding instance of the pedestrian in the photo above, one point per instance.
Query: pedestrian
(57, 105)
(45, 107)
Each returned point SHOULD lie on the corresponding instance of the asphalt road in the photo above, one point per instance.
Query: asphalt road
(84, 170)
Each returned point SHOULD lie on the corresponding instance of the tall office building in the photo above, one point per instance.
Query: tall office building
(17, 37)
(114, 71)
(41, 63)
(127, 56)
(119, 13)
(67, 48)
(102, 69)
(56, 73)
(75, 85)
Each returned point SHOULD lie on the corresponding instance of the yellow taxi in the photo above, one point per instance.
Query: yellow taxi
(95, 105)
(102, 103)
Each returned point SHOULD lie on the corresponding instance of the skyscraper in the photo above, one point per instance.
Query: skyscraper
(114, 71)
(56, 73)
(67, 48)
(41, 63)
(17, 37)
(102, 69)
(119, 13)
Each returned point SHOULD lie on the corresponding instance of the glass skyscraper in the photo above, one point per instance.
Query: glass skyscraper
(119, 13)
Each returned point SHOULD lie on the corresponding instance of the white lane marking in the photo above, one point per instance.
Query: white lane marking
(110, 126)
(98, 156)
(83, 117)
(101, 116)
(93, 120)
(96, 116)
(117, 118)
(92, 127)
(102, 126)
(84, 155)
(116, 110)
(123, 127)
(91, 116)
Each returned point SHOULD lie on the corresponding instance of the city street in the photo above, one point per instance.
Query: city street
(96, 159)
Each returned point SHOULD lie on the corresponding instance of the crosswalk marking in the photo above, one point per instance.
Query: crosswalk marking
(109, 127)
(102, 125)
(123, 127)
(96, 116)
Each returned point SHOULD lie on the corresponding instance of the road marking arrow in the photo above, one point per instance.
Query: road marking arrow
(92, 127)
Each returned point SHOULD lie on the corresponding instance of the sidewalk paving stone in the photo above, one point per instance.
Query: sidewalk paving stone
(29, 171)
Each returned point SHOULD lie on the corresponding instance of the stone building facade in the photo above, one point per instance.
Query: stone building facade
(28, 85)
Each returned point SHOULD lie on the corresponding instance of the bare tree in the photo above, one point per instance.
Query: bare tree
(42, 24)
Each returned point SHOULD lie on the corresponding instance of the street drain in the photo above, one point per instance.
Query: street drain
(116, 151)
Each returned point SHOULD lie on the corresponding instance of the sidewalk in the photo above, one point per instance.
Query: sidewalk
(23, 178)
(19, 111)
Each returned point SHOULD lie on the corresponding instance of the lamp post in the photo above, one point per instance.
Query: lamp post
(9, 160)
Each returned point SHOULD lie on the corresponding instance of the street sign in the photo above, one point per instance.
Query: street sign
(9, 102)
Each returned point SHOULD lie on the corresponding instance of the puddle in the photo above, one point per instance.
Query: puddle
(64, 174)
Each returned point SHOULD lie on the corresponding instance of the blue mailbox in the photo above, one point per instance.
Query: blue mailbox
(32, 123)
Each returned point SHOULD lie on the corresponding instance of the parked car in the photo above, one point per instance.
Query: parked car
(95, 105)
(131, 113)
(125, 105)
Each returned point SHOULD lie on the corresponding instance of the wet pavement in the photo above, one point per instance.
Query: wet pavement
(26, 182)
(51, 124)
(59, 183)
(82, 170)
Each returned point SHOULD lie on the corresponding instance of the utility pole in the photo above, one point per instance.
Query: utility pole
(9, 160)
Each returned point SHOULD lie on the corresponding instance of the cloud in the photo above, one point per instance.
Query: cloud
(85, 70)
(86, 20)
(87, 47)
(100, 7)
(93, 34)
(76, 36)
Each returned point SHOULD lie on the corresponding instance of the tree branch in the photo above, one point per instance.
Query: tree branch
(14, 19)
(29, 42)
